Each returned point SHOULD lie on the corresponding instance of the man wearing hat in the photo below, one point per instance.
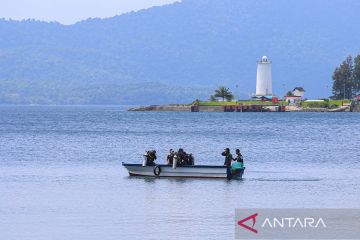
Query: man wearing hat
(227, 162)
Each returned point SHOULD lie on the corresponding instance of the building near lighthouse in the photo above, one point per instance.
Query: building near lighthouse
(264, 78)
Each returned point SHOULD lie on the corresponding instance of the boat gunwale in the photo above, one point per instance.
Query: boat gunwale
(170, 166)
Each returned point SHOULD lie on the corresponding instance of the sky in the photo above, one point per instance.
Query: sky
(71, 11)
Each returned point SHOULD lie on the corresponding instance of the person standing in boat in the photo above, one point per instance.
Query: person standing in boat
(170, 157)
(227, 162)
(239, 157)
(238, 165)
(181, 156)
(228, 157)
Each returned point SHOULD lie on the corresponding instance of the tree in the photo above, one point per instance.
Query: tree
(230, 97)
(343, 84)
(213, 98)
(356, 73)
(224, 93)
(289, 94)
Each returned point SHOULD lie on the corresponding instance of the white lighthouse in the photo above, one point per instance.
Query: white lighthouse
(264, 78)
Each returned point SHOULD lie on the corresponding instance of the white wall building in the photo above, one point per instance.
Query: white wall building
(264, 78)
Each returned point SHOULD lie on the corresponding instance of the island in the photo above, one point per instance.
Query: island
(264, 105)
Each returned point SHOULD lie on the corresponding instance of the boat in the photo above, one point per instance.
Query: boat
(185, 171)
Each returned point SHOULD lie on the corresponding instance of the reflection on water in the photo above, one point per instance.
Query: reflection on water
(61, 175)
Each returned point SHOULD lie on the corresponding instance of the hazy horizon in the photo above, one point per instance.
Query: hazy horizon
(68, 12)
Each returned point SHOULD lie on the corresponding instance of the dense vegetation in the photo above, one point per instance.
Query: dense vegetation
(176, 53)
(325, 104)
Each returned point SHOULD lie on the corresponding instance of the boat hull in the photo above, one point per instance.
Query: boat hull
(197, 171)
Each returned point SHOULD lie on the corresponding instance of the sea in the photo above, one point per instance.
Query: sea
(61, 173)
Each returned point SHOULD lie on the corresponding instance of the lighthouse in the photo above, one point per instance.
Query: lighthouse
(264, 77)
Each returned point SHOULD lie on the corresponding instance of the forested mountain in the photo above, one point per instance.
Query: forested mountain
(177, 52)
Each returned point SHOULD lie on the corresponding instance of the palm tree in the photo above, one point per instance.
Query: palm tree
(224, 93)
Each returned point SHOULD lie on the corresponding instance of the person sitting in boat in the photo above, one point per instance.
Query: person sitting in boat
(183, 158)
(150, 157)
(181, 154)
(170, 157)
(238, 165)
(190, 159)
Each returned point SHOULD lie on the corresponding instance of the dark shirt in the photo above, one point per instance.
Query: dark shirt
(228, 159)
(151, 157)
(239, 158)
(182, 157)
(170, 159)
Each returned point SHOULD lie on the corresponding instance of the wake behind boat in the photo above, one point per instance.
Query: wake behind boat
(173, 169)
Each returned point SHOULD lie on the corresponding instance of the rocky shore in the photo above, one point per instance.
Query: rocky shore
(163, 108)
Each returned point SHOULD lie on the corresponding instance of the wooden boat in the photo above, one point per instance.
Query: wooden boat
(186, 171)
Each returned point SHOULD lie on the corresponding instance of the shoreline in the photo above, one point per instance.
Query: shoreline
(232, 108)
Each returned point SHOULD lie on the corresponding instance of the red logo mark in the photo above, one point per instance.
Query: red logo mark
(253, 217)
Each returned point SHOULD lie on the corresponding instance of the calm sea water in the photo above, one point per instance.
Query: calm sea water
(61, 175)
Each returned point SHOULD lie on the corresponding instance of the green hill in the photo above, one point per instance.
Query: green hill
(178, 52)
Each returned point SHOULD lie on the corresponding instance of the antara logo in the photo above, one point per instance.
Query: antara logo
(292, 222)
(253, 218)
(288, 222)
